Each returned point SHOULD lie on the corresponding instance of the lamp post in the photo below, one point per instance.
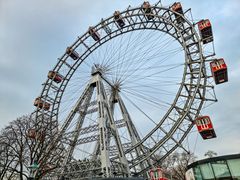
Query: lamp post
(33, 167)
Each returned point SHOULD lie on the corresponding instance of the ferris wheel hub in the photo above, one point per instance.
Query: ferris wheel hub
(96, 69)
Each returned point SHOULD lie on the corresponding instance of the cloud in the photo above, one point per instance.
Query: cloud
(230, 9)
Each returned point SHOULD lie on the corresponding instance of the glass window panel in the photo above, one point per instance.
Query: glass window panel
(220, 169)
(206, 171)
(234, 166)
(197, 173)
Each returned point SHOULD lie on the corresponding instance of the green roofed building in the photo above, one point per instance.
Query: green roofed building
(215, 168)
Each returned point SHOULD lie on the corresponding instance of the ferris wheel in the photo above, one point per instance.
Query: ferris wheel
(126, 93)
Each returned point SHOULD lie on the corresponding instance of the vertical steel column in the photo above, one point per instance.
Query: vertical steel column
(76, 132)
(135, 138)
(114, 131)
(107, 127)
(67, 122)
(103, 130)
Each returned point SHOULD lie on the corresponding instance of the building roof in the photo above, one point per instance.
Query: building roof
(213, 159)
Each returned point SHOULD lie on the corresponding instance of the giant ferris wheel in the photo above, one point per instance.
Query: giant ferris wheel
(126, 93)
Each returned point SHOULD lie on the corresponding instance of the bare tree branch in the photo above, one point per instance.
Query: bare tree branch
(19, 150)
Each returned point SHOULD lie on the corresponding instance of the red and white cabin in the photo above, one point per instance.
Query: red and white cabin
(146, 5)
(156, 174)
(205, 30)
(219, 71)
(95, 35)
(41, 104)
(147, 10)
(119, 19)
(205, 127)
(55, 76)
(73, 54)
(31, 133)
(177, 7)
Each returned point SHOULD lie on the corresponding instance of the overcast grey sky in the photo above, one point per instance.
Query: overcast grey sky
(33, 34)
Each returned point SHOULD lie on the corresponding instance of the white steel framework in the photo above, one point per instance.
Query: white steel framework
(92, 118)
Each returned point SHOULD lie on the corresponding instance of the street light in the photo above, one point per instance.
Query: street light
(33, 167)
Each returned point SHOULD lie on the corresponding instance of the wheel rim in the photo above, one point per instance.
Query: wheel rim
(191, 89)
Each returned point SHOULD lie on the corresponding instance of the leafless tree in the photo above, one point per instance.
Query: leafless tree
(176, 164)
(6, 158)
(210, 154)
(22, 143)
(15, 154)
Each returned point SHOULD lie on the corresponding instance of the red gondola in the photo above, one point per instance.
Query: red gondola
(205, 29)
(95, 35)
(205, 127)
(156, 174)
(40, 136)
(73, 54)
(55, 76)
(41, 104)
(147, 10)
(31, 133)
(36, 135)
(177, 7)
(119, 19)
(47, 168)
(219, 71)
